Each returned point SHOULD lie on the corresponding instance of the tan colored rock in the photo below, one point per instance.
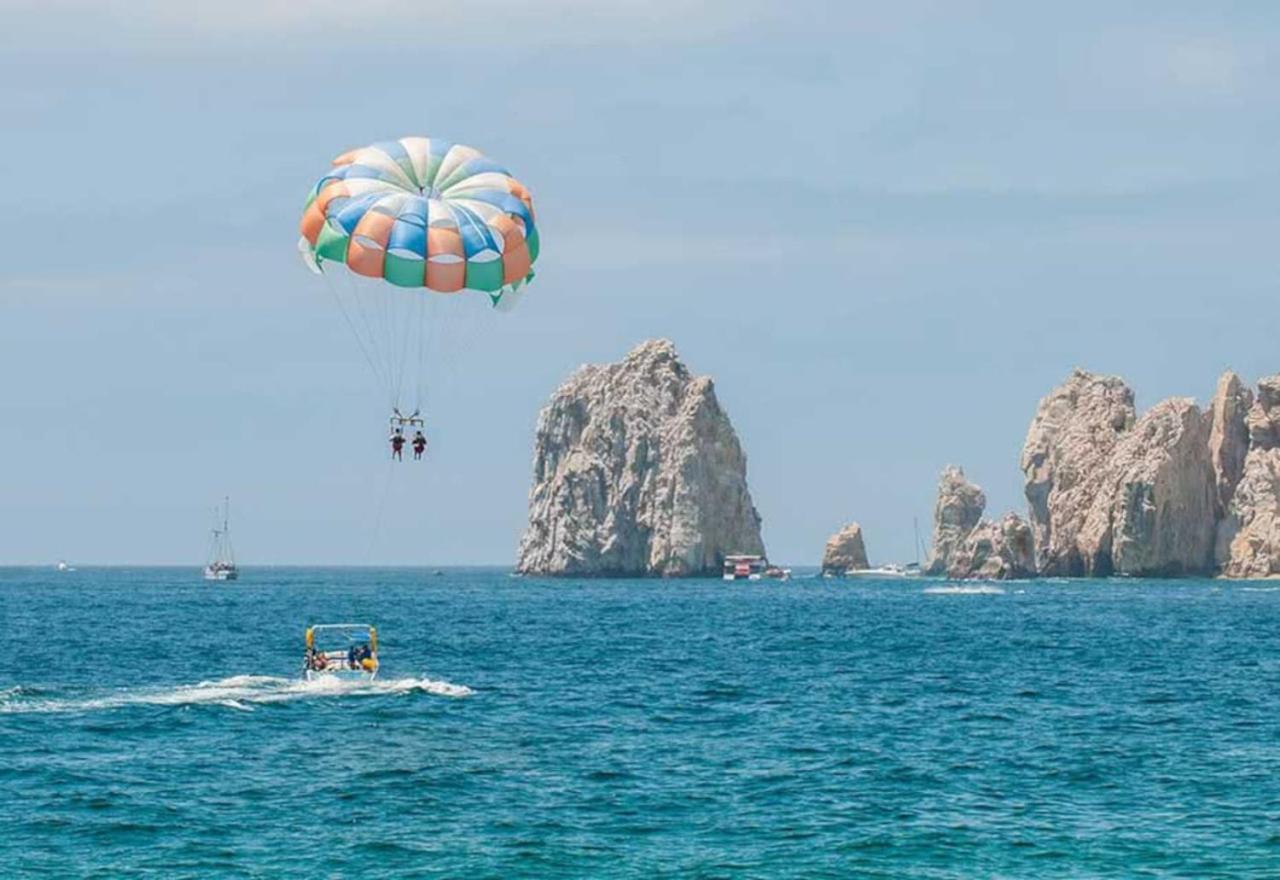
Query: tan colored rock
(637, 471)
(1248, 540)
(958, 509)
(1154, 510)
(1251, 532)
(845, 551)
(1064, 458)
(1228, 437)
(1001, 550)
(1264, 415)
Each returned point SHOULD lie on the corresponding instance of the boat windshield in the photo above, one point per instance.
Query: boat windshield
(337, 646)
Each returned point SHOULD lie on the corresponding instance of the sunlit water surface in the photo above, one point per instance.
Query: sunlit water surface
(155, 725)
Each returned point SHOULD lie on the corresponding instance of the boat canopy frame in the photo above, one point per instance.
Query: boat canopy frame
(370, 632)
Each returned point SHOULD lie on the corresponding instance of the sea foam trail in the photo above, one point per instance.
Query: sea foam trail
(966, 590)
(239, 692)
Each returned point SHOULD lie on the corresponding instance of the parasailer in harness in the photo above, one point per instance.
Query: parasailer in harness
(412, 221)
(398, 423)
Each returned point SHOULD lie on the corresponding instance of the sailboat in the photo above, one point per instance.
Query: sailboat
(222, 558)
(914, 569)
(894, 569)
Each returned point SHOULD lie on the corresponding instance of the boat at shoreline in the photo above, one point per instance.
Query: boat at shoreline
(752, 567)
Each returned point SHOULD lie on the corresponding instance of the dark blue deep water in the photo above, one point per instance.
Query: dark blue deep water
(152, 725)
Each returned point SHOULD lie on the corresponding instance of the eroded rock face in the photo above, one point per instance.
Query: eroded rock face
(1249, 538)
(1248, 541)
(1064, 459)
(1153, 513)
(637, 472)
(1228, 437)
(845, 550)
(958, 509)
(996, 551)
(1264, 415)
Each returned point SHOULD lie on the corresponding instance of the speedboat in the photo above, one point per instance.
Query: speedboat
(347, 651)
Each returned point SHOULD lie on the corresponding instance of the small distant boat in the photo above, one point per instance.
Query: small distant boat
(893, 569)
(744, 567)
(889, 570)
(62, 566)
(750, 567)
(222, 558)
(880, 571)
(347, 651)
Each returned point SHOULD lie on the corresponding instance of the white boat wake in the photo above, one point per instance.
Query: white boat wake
(964, 590)
(241, 692)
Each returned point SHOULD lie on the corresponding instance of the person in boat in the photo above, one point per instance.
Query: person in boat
(397, 444)
(419, 444)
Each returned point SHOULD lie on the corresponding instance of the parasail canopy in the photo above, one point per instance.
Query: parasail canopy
(422, 212)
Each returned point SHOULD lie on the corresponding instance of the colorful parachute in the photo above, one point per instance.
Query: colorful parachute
(420, 212)
(423, 215)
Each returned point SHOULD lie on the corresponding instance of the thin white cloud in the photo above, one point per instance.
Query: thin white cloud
(428, 23)
(1180, 68)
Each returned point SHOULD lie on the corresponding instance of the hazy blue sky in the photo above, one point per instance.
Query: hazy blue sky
(885, 229)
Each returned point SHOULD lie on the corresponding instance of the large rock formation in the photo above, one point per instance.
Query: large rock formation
(996, 551)
(958, 509)
(845, 550)
(1153, 512)
(1248, 542)
(637, 471)
(1228, 437)
(1064, 461)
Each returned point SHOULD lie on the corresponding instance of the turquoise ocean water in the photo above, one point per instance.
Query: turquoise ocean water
(153, 725)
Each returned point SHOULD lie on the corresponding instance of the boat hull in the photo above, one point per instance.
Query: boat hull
(880, 573)
(221, 574)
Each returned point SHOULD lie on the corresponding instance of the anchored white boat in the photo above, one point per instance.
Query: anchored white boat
(222, 557)
(341, 650)
(891, 570)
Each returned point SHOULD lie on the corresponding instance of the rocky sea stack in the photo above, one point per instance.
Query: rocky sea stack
(959, 507)
(1248, 535)
(967, 546)
(637, 471)
(845, 551)
(1064, 462)
(1179, 491)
